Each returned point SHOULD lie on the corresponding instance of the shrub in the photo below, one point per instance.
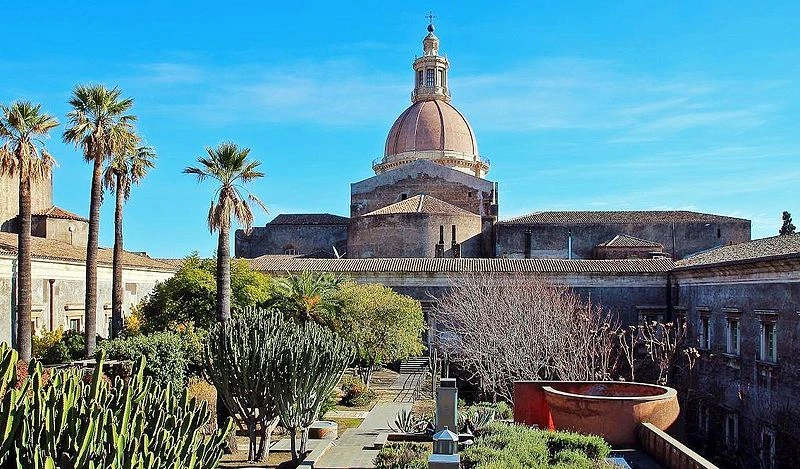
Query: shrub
(355, 393)
(165, 353)
(403, 456)
(69, 423)
(58, 346)
(592, 446)
(512, 446)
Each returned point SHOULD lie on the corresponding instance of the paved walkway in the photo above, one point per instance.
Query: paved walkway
(353, 449)
(406, 386)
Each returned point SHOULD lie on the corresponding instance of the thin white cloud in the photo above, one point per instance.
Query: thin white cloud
(547, 94)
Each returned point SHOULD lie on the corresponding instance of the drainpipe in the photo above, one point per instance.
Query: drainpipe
(52, 281)
(569, 244)
(670, 299)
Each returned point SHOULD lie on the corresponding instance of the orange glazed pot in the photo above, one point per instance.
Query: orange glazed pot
(610, 409)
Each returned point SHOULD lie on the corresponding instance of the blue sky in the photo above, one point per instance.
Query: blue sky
(579, 105)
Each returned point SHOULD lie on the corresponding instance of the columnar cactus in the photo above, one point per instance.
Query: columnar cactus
(310, 364)
(240, 354)
(68, 423)
(266, 366)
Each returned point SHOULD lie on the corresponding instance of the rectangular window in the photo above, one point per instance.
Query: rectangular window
(441, 78)
(768, 448)
(732, 431)
(733, 339)
(702, 419)
(419, 78)
(769, 342)
(75, 325)
(430, 77)
(704, 332)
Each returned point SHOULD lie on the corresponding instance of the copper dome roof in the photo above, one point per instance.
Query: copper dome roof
(432, 125)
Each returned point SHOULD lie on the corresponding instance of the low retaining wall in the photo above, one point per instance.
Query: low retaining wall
(669, 452)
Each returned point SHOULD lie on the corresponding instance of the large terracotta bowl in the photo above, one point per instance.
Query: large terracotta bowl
(610, 409)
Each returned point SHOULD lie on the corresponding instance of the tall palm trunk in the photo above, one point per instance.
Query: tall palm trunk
(116, 288)
(24, 270)
(91, 258)
(224, 273)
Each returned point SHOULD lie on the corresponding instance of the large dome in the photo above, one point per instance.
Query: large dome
(431, 126)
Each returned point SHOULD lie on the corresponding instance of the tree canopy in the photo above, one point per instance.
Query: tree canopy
(787, 227)
(385, 326)
(189, 297)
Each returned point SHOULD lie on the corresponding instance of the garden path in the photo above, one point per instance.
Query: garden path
(354, 448)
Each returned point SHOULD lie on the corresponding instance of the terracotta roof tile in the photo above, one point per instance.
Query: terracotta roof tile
(757, 249)
(421, 204)
(309, 219)
(626, 241)
(58, 212)
(43, 248)
(637, 216)
(615, 266)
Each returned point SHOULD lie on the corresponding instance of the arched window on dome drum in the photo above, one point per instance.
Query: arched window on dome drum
(419, 78)
(430, 77)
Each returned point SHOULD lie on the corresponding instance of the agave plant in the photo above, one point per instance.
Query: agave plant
(407, 422)
(476, 418)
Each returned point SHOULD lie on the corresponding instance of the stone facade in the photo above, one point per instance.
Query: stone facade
(471, 193)
(68, 290)
(415, 235)
(41, 199)
(553, 239)
(314, 234)
(69, 231)
(744, 317)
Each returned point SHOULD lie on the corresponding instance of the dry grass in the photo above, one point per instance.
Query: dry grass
(345, 423)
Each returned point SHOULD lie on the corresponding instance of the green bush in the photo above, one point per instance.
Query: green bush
(78, 420)
(403, 456)
(166, 354)
(592, 446)
(512, 446)
(59, 346)
(355, 393)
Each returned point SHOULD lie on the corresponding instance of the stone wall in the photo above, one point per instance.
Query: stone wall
(41, 199)
(413, 235)
(758, 394)
(424, 177)
(74, 232)
(68, 292)
(624, 294)
(551, 240)
(277, 239)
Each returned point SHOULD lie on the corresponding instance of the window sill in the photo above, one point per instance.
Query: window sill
(767, 364)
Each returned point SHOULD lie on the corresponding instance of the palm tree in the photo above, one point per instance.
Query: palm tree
(229, 166)
(124, 170)
(22, 127)
(309, 296)
(101, 126)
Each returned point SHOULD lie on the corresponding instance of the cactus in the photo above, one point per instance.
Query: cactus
(240, 355)
(311, 361)
(69, 423)
(267, 366)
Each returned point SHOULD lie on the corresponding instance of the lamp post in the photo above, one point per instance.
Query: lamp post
(445, 451)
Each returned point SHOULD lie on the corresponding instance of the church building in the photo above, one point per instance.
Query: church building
(430, 198)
